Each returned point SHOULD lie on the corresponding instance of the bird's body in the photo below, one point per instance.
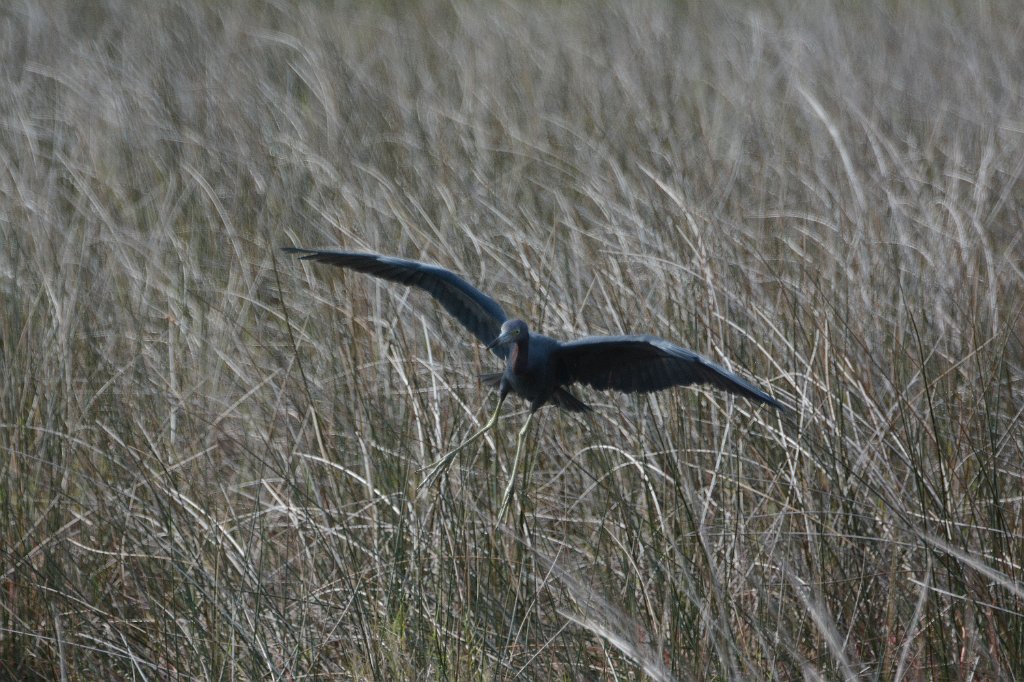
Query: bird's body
(538, 368)
(528, 372)
(534, 373)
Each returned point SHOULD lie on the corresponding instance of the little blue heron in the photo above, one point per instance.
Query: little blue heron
(539, 368)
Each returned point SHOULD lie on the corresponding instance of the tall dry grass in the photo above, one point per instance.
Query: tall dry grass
(210, 452)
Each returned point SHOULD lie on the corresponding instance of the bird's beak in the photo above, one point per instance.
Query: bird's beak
(500, 341)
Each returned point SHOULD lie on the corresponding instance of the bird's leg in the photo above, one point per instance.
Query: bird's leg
(520, 440)
(441, 465)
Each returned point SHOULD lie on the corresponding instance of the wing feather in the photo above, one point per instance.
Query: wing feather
(640, 364)
(477, 311)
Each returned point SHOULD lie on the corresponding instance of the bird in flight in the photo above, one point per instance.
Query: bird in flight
(538, 368)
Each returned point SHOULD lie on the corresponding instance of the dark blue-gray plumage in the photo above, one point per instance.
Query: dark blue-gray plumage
(539, 368)
(477, 311)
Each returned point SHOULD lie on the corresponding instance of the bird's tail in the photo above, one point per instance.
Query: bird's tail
(567, 401)
(490, 378)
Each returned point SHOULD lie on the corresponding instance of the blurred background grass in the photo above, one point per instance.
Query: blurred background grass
(210, 452)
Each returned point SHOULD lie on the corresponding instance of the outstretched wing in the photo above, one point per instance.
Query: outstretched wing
(477, 311)
(639, 364)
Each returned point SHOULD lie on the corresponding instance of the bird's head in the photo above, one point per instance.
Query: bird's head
(512, 331)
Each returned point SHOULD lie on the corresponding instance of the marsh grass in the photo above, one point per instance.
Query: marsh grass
(211, 451)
